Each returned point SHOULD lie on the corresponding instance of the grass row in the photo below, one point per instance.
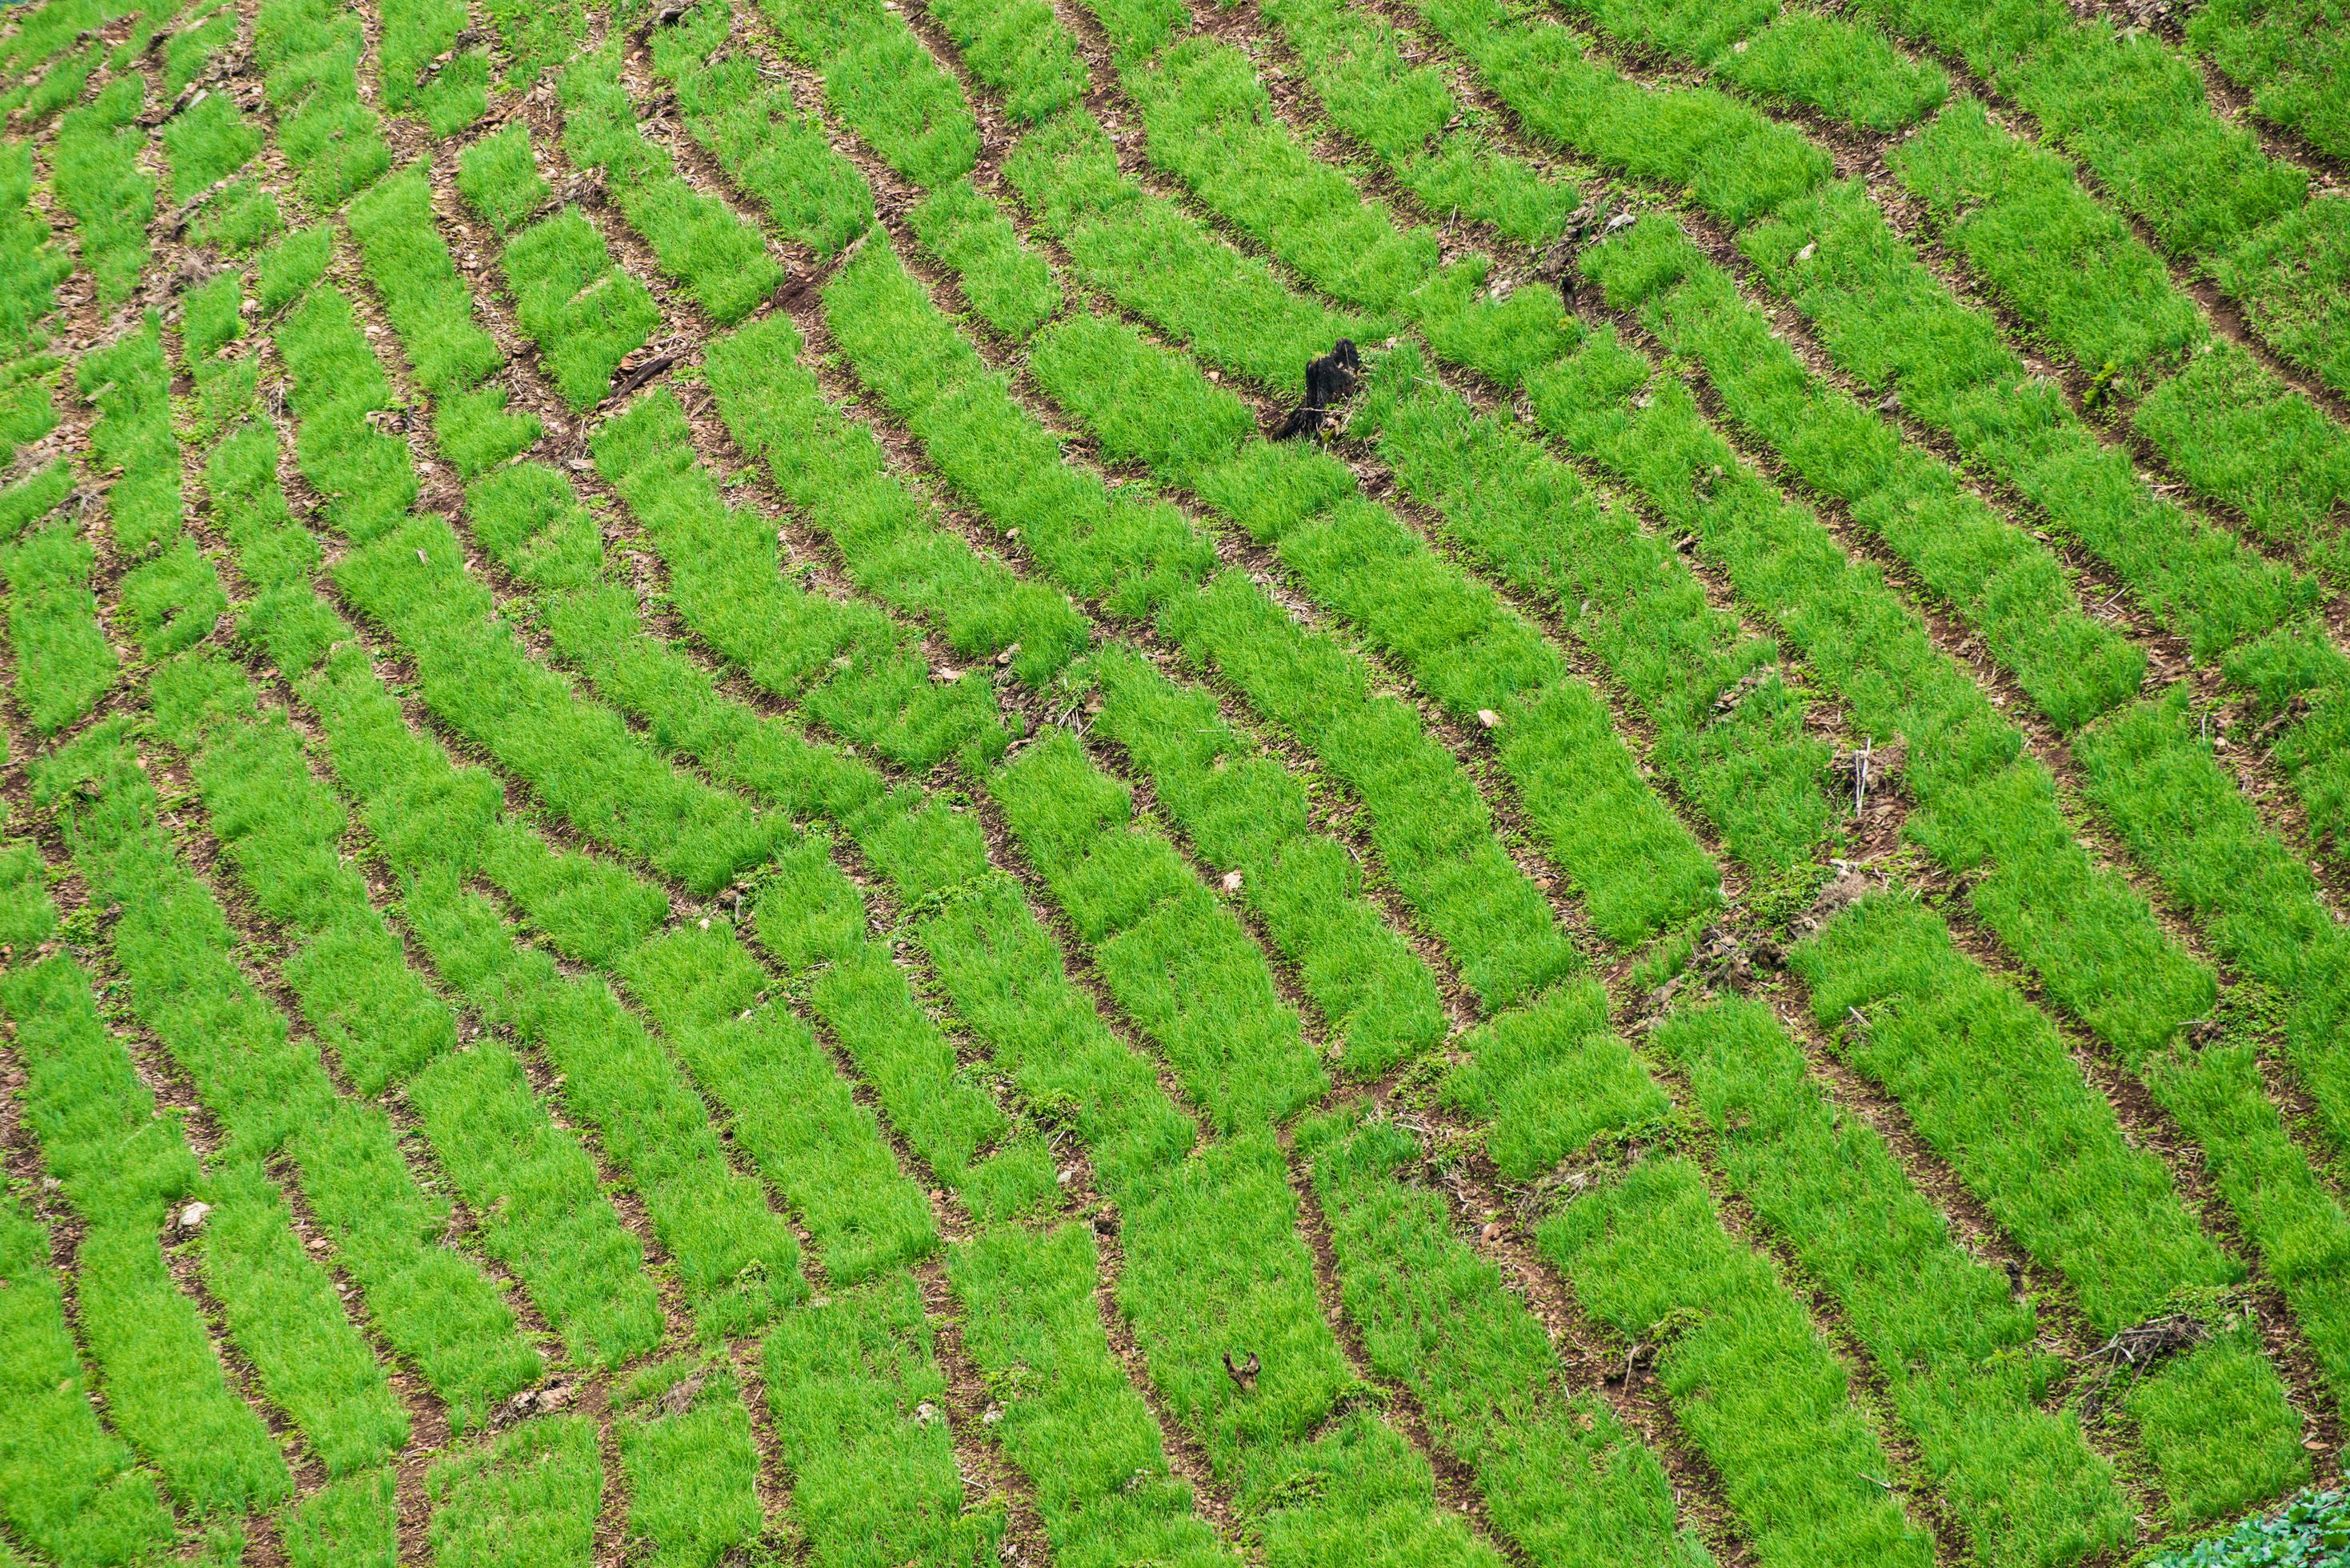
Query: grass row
(1853, 632)
(1145, 417)
(176, 954)
(881, 82)
(32, 261)
(1653, 267)
(2132, 110)
(530, 1185)
(2289, 53)
(770, 146)
(720, 260)
(451, 355)
(111, 201)
(711, 999)
(2263, 921)
(1988, 1083)
(125, 1172)
(448, 94)
(685, 1446)
(603, 779)
(1880, 313)
(2007, 585)
(68, 1487)
(1346, 245)
(308, 52)
(1960, 1356)
(654, 470)
(170, 596)
(1098, 902)
(1102, 543)
(64, 662)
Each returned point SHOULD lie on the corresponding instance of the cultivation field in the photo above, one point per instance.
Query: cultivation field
(712, 852)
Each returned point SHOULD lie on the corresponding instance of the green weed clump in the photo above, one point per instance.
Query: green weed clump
(500, 180)
(447, 94)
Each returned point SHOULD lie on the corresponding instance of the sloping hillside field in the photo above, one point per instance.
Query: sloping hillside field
(1161, 783)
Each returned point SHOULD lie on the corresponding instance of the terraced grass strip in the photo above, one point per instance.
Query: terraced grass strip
(428, 69)
(686, 1444)
(771, 145)
(531, 1187)
(1823, 246)
(528, 1499)
(882, 83)
(111, 200)
(1405, 113)
(1563, 1477)
(68, 1487)
(308, 52)
(32, 263)
(1730, 729)
(585, 314)
(1473, 654)
(408, 576)
(1960, 1355)
(1074, 1423)
(1444, 858)
(1740, 1362)
(126, 1173)
(1174, 959)
(64, 663)
(848, 1383)
(2005, 583)
(2290, 53)
(696, 237)
(432, 311)
(1990, 1085)
(268, 1093)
